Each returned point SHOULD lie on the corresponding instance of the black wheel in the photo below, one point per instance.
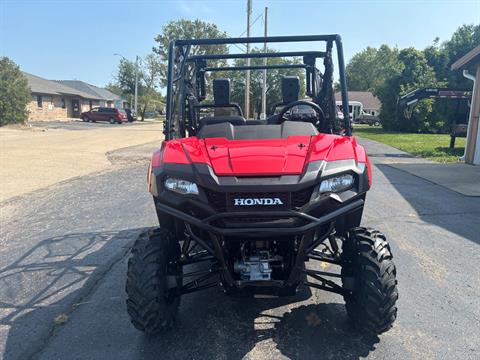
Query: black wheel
(370, 275)
(85, 119)
(112, 121)
(152, 279)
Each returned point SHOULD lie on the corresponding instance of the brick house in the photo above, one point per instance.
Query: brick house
(107, 98)
(57, 100)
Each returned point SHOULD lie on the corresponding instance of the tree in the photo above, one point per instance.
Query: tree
(415, 73)
(14, 93)
(360, 71)
(369, 69)
(187, 29)
(390, 74)
(150, 74)
(148, 83)
(441, 56)
(125, 77)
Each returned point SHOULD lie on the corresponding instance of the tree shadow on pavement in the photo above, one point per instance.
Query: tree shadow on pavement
(63, 273)
(48, 280)
(230, 328)
(321, 331)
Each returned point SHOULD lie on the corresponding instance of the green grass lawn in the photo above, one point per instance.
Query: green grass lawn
(429, 146)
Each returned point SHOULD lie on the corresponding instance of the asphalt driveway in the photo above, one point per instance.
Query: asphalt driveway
(63, 261)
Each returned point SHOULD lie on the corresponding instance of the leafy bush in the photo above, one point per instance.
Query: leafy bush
(14, 93)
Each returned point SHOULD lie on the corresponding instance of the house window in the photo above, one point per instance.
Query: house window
(39, 101)
(373, 112)
(62, 103)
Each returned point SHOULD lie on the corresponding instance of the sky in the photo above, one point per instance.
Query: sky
(74, 39)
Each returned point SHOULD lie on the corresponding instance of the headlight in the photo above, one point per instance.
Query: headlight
(336, 184)
(183, 187)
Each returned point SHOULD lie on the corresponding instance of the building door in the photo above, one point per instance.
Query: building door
(75, 108)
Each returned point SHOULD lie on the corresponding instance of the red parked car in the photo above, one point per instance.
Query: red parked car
(105, 114)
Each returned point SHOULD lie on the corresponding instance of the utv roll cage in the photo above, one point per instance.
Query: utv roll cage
(186, 83)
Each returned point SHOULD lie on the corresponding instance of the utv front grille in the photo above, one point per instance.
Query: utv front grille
(217, 200)
(222, 202)
(301, 197)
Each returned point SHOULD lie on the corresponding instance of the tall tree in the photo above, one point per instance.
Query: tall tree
(415, 73)
(148, 82)
(151, 70)
(187, 29)
(14, 93)
(125, 76)
(442, 55)
(361, 72)
(369, 69)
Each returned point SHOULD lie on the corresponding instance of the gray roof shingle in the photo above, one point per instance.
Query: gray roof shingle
(368, 100)
(68, 87)
(44, 86)
(94, 91)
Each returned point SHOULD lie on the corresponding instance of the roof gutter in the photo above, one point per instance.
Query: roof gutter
(469, 76)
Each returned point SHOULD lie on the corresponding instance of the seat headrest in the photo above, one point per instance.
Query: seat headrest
(232, 119)
(221, 91)
(290, 89)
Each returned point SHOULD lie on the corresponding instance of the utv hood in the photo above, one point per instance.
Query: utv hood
(266, 157)
(258, 157)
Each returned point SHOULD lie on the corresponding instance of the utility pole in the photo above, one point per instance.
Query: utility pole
(263, 115)
(247, 74)
(136, 85)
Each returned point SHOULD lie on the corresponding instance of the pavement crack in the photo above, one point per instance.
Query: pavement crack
(416, 215)
(83, 294)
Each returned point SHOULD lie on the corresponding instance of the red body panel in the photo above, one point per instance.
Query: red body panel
(259, 157)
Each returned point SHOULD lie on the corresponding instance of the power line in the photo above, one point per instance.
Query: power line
(243, 33)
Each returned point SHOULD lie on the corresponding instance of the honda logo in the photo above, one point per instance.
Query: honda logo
(257, 201)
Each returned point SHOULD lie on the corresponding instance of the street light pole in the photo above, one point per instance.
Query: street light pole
(136, 85)
(136, 79)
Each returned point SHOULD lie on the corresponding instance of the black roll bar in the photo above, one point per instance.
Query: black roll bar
(259, 39)
(270, 39)
(317, 54)
(257, 67)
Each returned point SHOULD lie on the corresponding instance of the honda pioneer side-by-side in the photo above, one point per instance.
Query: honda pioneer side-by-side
(249, 205)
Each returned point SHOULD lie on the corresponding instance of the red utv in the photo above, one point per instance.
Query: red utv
(251, 205)
(111, 115)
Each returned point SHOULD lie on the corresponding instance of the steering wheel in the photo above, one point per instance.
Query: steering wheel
(318, 110)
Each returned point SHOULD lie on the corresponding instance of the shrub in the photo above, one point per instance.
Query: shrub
(14, 93)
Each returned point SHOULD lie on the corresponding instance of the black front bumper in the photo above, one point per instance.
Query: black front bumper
(300, 222)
